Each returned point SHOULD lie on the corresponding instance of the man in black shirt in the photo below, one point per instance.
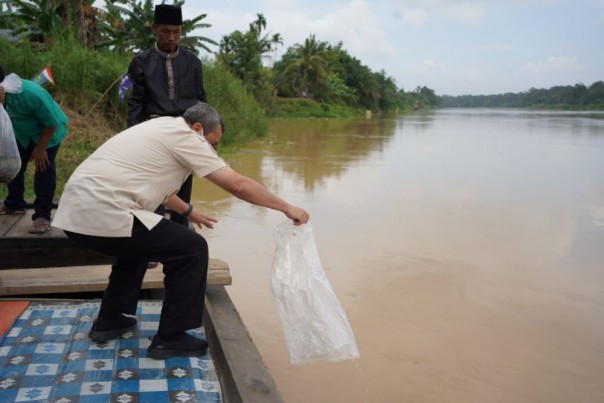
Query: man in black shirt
(167, 80)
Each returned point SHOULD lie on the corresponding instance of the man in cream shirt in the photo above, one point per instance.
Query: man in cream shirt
(108, 205)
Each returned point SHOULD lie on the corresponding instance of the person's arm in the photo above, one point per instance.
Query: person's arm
(39, 155)
(253, 192)
(2, 94)
(136, 98)
(178, 205)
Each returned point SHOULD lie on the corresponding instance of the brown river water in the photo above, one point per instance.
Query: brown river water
(466, 247)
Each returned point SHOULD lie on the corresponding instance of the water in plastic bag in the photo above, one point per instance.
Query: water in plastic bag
(314, 324)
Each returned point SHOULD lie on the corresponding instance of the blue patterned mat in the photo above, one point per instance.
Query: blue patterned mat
(47, 357)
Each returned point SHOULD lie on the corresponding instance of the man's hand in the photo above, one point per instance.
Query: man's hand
(200, 219)
(297, 214)
(39, 155)
(175, 203)
(40, 158)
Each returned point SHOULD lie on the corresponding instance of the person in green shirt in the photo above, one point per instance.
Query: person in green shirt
(40, 125)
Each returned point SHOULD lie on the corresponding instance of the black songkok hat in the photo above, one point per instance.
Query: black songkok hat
(167, 14)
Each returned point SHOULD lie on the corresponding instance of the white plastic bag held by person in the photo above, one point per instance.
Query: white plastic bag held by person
(10, 161)
(313, 321)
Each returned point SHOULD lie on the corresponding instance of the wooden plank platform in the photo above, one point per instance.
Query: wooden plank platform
(51, 263)
(20, 249)
(64, 280)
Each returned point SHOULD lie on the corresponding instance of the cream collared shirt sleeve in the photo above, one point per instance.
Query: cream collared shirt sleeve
(195, 152)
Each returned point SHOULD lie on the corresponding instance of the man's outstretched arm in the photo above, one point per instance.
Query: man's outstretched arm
(253, 192)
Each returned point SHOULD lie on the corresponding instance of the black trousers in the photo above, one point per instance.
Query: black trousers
(45, 183)
(184, 254)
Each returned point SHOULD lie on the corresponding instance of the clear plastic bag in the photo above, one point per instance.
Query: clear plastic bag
(12, 83)
(314, 324)
(10, 161)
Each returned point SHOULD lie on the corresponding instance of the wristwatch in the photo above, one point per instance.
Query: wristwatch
(188, 211)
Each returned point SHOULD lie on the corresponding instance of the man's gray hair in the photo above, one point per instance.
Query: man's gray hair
(204, 114)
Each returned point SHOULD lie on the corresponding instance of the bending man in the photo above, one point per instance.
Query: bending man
(108, 205)
(40, 126)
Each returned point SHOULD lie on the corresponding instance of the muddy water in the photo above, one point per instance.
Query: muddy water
(467, 248)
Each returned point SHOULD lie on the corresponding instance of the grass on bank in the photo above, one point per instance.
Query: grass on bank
(308, 108)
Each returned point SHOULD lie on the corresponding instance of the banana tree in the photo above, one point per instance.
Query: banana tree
(42, 20)
(38, 20)
(127, 25)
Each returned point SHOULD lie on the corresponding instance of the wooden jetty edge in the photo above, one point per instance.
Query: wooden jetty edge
(77, 279)
(51, 264)
(242, 373)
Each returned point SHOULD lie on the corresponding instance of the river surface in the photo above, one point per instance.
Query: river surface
(466, 247)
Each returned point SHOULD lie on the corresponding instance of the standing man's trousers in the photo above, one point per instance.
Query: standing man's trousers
(185, 194)
(45, 183)
(184, 254)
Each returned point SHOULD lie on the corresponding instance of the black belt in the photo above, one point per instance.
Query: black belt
(153, 116)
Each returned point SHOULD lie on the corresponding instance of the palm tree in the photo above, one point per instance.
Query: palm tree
(264, 44)
(195, 42)
(308, 68)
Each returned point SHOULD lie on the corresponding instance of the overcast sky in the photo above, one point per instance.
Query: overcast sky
(454, 47)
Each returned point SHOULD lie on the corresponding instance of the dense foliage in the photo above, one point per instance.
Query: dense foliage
(578, 96)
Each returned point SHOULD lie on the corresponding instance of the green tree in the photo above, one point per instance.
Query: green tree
(266, 42)
(126, 27)
(304, 68)
(241, 53)
(426, 96)
(389, 98)
(595, 94)
(41, 21)
(328, 73)
(361, 79)
(577, 96)
(337, 91)
(37, 20)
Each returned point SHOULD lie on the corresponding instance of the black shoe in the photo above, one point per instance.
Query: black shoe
(187, 345)
(104, 331)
